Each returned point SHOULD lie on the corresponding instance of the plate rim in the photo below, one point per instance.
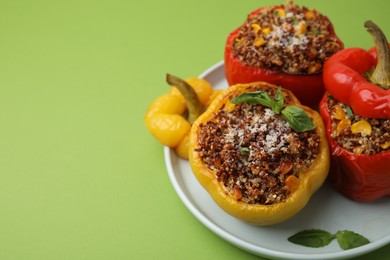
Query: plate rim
(245, 245)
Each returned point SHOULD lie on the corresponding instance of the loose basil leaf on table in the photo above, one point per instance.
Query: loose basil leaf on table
(244, 150)
(312, 238)
(349, 239)
(320, 238)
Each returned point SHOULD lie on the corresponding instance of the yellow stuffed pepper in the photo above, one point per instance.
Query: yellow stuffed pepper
(259, 153)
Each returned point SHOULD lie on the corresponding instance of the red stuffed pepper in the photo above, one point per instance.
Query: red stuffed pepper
(285, 45)
(356, 112)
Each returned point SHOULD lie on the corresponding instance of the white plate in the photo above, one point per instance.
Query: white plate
(326, 210)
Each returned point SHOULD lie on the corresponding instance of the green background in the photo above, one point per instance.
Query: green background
(80, 176)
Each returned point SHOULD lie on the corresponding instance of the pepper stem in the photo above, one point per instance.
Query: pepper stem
(381, 74)
(193, 104)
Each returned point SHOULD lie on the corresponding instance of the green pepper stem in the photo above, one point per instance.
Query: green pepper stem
(193, 104)
(381, 74)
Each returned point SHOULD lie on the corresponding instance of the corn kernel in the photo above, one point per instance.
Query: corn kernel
(343, 126)
(358, 150)
(385, 145)
(280, 12)
(255, 27)
(259, 41)
(338, 112)
(238, 41)
(315, 68)
(362, 127)
(266, 31)
(300, 28)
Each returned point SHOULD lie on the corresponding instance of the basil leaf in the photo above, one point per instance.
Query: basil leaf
(279, 102)
(319, 238)
(262, 98)
(257, 97)
(349, 239)
(312, 238)
(297, 119)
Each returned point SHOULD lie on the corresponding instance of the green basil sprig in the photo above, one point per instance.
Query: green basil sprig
(244, 150)
(262, 98)
(295, 116)
(319, 238)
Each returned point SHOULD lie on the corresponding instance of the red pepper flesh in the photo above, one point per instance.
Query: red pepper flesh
(344, 79)
(359, 177)
(308, 88)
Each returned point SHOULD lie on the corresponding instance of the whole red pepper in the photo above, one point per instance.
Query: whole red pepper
(308, 88)
(344, 79)
(358, 176)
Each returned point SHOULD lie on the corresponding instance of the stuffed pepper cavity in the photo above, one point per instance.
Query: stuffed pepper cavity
(356, 112)
(285, 45)
(259, 153)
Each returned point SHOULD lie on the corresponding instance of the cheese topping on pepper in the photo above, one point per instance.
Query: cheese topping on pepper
(286, 38)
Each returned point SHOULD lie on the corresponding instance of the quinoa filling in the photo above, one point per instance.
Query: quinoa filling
(254, 153)
(286, 38)
(358, 134)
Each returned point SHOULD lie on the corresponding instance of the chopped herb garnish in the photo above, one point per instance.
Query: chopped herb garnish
(349, 111)
(244, 150)
(330, 97)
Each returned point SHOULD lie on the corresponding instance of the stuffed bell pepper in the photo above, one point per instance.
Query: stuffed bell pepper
(356, 112)
(285, 45)
(259, 153)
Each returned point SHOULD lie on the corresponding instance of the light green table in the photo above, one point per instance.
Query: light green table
(80, 177)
